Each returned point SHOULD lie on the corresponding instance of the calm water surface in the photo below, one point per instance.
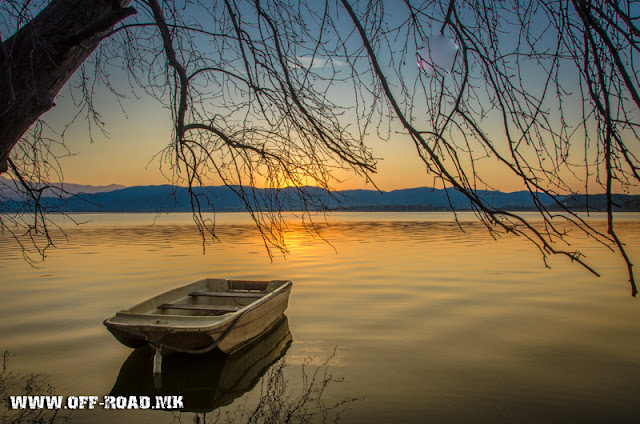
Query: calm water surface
(403, 318)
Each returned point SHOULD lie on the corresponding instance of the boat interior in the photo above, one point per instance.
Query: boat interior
(209, 297)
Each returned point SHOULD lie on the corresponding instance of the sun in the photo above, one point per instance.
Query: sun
(292, 181)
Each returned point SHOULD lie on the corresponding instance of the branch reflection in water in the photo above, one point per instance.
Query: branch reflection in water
(212, 381)
(16, 384)
(282, 400)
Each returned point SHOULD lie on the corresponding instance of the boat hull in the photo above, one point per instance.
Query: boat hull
(157, 323)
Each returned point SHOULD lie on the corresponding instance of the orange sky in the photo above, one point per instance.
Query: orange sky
(126, 157)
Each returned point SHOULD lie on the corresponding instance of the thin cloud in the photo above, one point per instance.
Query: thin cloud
(311, 62)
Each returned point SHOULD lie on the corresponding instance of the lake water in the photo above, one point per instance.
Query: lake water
(403, 318)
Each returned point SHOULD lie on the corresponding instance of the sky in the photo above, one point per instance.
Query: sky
(128, 156)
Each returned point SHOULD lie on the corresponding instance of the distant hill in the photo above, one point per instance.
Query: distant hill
(598, 202)
(63, 189)
(433, 199)
(177, 199)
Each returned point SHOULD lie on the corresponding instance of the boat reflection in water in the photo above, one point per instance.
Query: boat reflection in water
(207, 381)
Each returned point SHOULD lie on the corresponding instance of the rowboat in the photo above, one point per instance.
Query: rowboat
(199, 317)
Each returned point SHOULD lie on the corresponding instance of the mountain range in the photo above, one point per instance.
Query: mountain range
(169, 198)
(63, 190)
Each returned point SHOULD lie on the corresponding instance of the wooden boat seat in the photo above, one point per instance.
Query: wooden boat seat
(226, 294)
(222, 309)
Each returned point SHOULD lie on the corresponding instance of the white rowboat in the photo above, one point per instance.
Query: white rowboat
(202, 316)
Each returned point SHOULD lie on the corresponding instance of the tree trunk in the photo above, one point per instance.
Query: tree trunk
(38, 59)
